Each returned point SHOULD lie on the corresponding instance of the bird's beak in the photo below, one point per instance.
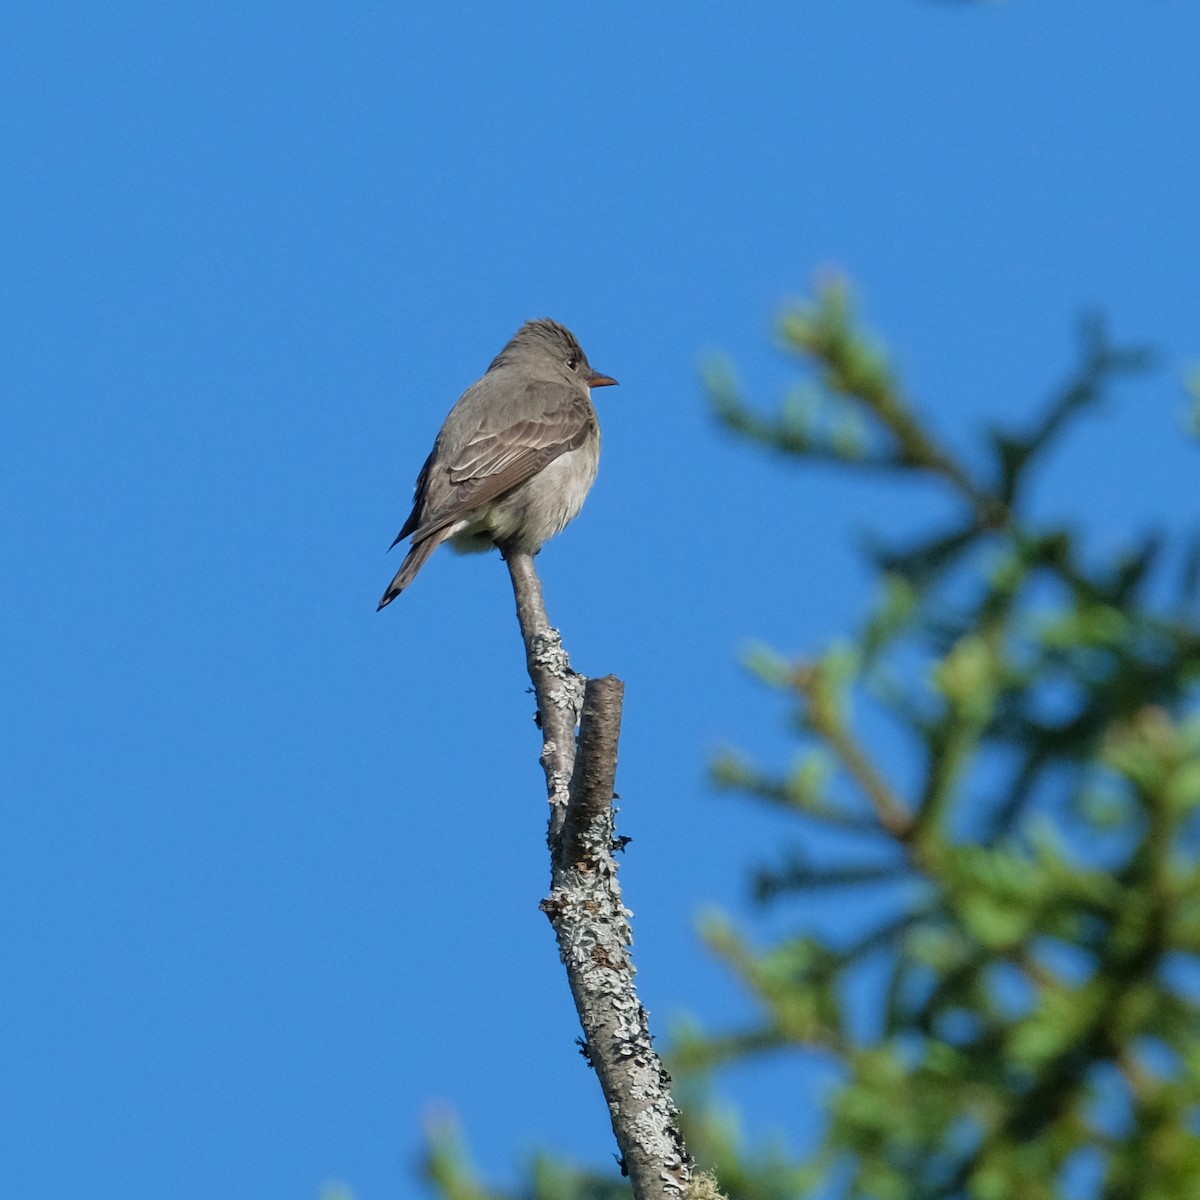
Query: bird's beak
(595, 379)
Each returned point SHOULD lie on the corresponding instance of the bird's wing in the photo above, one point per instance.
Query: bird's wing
(554, 418)
(418, 500)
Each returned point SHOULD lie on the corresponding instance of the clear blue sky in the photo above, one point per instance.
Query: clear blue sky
(271, 861)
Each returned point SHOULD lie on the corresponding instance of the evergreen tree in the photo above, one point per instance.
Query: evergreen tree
(1038, 1031)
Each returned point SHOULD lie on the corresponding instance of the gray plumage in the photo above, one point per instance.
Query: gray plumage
(515, 458)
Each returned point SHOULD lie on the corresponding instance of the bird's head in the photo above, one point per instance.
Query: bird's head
(548, 347)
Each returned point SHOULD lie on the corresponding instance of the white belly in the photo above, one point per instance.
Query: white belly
(538, 509)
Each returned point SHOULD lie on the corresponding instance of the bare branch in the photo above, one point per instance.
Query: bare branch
(585, 905)
(559, 690)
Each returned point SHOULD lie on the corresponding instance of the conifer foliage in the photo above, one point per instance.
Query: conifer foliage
(1039, 1021)
(1036, 1016)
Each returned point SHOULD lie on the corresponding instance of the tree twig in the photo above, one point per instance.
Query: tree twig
(585, 905)
(891, 812)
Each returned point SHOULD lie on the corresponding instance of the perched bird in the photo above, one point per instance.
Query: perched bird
(515, 458)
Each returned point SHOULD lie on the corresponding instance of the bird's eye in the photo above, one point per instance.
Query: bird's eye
(573, 361)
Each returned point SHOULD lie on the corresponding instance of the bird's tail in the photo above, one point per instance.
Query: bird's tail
(414, 560)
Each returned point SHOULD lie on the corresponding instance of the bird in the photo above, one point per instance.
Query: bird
(515, 458)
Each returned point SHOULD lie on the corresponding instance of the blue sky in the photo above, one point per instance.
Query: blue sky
(271, 861)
